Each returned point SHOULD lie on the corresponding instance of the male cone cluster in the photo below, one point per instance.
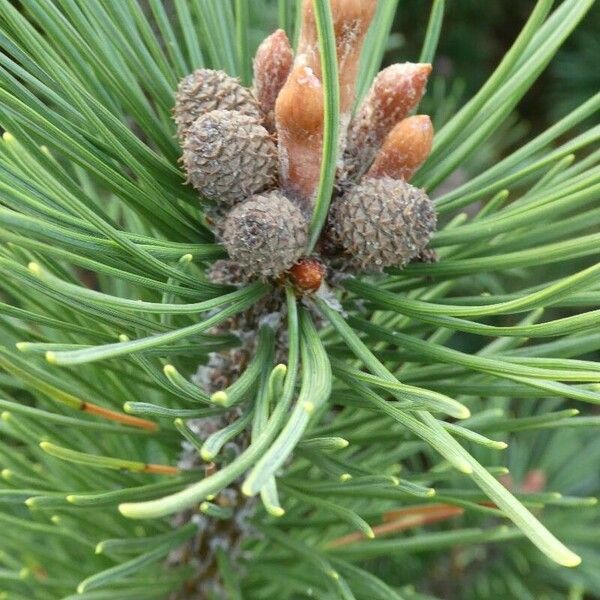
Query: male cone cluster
(256, 154)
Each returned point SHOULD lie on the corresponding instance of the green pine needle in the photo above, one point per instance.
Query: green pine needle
(341, 421)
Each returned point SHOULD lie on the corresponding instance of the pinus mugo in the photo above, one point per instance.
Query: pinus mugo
(254, 345)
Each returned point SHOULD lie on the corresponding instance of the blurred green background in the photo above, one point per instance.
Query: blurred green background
(476, 35)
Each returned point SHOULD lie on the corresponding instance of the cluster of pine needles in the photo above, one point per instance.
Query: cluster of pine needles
(435, 438)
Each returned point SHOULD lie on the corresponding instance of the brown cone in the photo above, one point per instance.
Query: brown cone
(228, 157)
(265, 235)
(382, 223)
(206, 90)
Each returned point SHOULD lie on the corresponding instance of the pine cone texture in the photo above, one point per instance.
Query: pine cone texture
(206, 90)
(266, 235)
(229, 157)
(382, 223)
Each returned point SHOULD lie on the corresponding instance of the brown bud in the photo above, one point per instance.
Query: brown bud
(405, 149)
(394, 93)
(349, 17)
(272, 65)
(307, 275)
(351, 20)
(299, 120)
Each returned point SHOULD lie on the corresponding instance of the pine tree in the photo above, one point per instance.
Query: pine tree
(317, 420)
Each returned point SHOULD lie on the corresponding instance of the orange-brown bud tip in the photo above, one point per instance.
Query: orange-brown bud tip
(299, 106)
(299, 120)
(397, 73)
(395, 92)
(347, 14)
(405, 149)
(351, 20)
(307, 275)
(272, 65)
(353, 15)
